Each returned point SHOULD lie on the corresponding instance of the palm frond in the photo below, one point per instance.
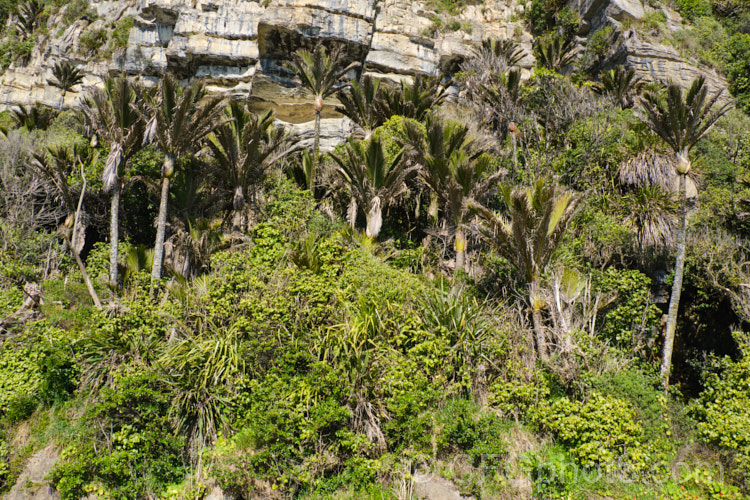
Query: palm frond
(66, 76)
(538, 216)
(682, 121)
(360, 103)
(621, 84)
(555, 52)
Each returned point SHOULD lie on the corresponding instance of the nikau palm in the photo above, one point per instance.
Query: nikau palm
(57, 168)
(360, 102)
(244, 148)
(321, 74)
(538, 217)
(66, 76)
(374, 181)
(177, 121)
(415, 100)
(555, 53)
(680, 122)
(454, 170)
(111, 113)
(620, 83)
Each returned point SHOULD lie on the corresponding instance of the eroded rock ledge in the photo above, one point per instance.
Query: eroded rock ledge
(239, 46)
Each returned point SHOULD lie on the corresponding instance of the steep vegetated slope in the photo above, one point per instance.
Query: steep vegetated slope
(357, 249)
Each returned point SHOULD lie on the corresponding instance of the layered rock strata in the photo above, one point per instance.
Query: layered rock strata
(240, 47)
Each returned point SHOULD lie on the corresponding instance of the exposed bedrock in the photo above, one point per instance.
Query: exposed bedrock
(240, 47)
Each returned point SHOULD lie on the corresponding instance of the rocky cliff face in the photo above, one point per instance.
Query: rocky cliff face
(240, 46)
(653, 61)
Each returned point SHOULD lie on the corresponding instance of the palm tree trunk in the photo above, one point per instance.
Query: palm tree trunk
(238, 206)
(374, 220)
(161, 228)
(114, 228)
(536, 318)
(459, 246)
(74, 250)
(316, 148)
(674, 300)
(85, 276)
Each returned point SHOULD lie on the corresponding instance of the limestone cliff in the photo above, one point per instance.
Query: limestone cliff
(239, 46)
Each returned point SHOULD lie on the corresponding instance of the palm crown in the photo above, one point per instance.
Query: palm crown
(112, 114)
(360, 102)
(621, 84)
(373, 179)
(319, 71)
(245, 147)
(682, 122)
(537, 219)
(178, 119)
(66, 76)
(453, 167)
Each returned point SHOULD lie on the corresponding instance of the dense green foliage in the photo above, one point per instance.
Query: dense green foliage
(287, 354)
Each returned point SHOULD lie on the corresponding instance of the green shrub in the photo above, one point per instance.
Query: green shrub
(540, 14)
(601, 431)
(519, 399)
(595, 150)
(391, 132)
(92, 40)
(631, 319)
(722, 413)
(691, 9)
(129, 449)
(644, 394)
(19, 373)
(567, 22)
(289, 420)
(598, 45)
(466, 429)
(6, 8)
(452, 7)
(121, 32)
(78, 9)
(737, 68)
(24, 255)
(655, 21)
(10, 300)
(551, 473)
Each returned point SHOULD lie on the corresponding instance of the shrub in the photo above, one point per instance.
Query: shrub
(631, 320)
(121, 32)
(644, 394)
(391, 132)
(519, 399)
(595, 150)
(737, 68)
(540, 14)
(289, 421)
(692, 9)
(78, 9)
(130, 448)
(92, 40)
(600, 431)
(466, 429)
(598, 45)
(721, 411)
(19, 374)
